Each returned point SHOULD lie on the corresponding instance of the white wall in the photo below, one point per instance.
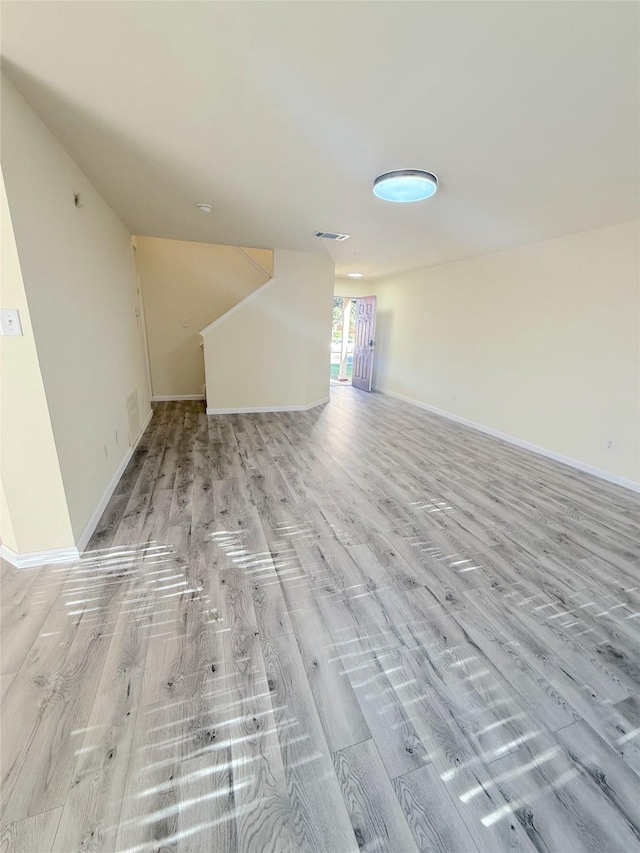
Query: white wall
(80, 285)
(192, 283)
(353, 287)
(33, 508)
(540, 343)
(273, 350)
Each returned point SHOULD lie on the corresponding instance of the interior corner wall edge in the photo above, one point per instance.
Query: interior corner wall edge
(273, 352)
(80, 286)
(33, 511)
(186, 286)
(541, 343)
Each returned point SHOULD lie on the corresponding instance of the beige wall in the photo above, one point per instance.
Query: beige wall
(80, 286)
(314, 275)
(33, 512)
(353, 287)
(540, 343)
(263, 258)
(7, 533)
(273, 351)
(192, 284)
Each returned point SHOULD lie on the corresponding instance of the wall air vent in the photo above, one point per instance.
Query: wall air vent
(331, 235)
(133, 417)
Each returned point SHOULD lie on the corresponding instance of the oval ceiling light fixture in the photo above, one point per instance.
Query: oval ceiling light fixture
(204, 208)
(355, 274)
(405, 185)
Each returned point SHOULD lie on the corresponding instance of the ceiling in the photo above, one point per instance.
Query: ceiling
(280, 115)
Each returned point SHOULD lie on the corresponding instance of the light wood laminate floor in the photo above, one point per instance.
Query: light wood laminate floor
(359, 627)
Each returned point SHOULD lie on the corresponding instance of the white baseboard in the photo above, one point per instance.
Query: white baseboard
(71, 553)
(87, 533)
(518, 442)
(252, 410)
(39, 558)
(168, 398)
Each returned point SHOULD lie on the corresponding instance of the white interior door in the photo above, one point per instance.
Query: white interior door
(364, 342)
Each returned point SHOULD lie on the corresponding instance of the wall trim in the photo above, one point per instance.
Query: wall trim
(28, 559)
(237, 306)
(518, 442)
(258, 266)
(251, 410)
(87, 533)
(162, 398)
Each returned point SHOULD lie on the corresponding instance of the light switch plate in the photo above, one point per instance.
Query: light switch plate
(10, 321)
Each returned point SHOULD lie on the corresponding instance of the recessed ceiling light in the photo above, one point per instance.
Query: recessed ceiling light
(204, 208)
(405, 185)
(355, 274)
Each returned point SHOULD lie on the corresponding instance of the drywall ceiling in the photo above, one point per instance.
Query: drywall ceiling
(280, 115)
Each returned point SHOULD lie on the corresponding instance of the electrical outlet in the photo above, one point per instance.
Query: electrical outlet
(610, 444)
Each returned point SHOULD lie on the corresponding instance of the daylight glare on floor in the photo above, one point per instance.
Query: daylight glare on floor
(428, 642)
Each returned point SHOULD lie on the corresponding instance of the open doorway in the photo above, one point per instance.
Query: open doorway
(353, 341)
(342, 339)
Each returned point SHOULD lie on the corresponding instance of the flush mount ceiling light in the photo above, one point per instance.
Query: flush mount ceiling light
(204, 208)
(355, 274)
(405, 185)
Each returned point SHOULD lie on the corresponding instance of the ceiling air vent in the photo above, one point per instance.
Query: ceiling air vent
(331, 235)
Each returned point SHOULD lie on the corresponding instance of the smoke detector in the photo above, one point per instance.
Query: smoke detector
(204, 208)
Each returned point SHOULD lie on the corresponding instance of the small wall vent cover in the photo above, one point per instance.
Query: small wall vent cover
(133, 416)
(331, 235)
